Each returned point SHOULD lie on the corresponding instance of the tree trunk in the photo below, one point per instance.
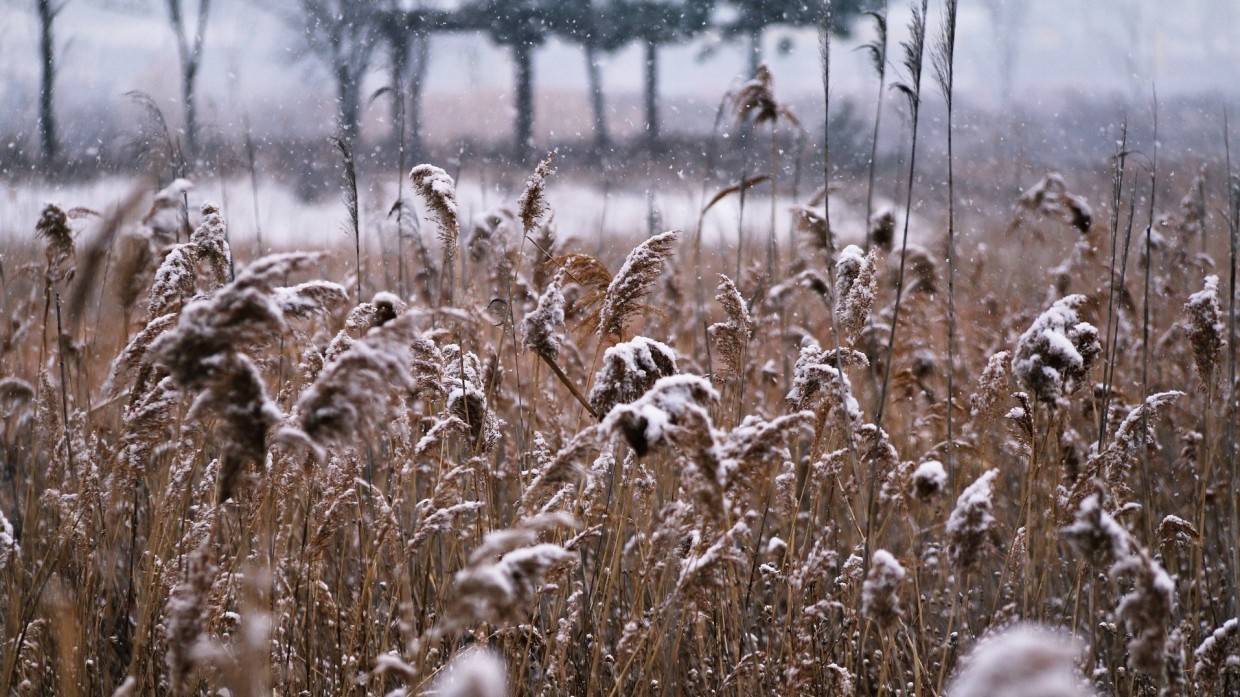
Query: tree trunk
(421, 61)
(346, 103)
(755, 50)
(398, 60)
(602, 140)
(188, 76)
(652, 92)
(189, 50)
(524, 126)
(47, 114)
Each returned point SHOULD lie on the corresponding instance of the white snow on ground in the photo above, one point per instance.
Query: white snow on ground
(580, 210)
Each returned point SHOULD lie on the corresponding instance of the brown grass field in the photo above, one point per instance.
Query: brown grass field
(463, 452)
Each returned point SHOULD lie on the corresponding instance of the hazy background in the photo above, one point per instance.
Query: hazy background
(1042, 85)
(254, 65)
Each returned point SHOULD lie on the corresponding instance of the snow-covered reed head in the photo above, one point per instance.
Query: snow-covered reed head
(730, 338)
(883, 229)
(1217, 653)
(755, 102)
(633, 281)
(1050, 197)
(923, 271)
(970, 527)
(928, 480)
(855, 282)
(672, 403)
(473, 672)
(1205, 328)
(629, 369)
(819, 382)
(1137, 429)
(181, 272)
(352, 393)
(504, 575)
(542, 326)
(992, 386)
(164, 220)
(1095, 535)
(463, 378)
(210, 241)
(880, 601)
(532, 206)
(9, 549)
(1147, 611)
(1024, 660)
(1054, 355)
(438, 193)
(185, 629)
(53, 228)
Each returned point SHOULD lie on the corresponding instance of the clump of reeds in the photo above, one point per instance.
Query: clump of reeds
(1050, 197)
(204, 354)
(1147, 608)
(1054, 355)
(352, 393)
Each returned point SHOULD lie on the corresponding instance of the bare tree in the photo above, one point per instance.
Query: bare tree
(189, 51)
(341, 33)
(522, 26)
(752, 18)
(594, 25)
(47, 13)
(407, 35)
(653, 24)
(1007, 18)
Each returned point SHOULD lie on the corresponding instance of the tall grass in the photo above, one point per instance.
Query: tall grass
(560, 473)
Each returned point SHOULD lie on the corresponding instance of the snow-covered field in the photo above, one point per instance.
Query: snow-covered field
(582, 212)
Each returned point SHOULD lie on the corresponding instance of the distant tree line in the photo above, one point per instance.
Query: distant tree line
(347, 35)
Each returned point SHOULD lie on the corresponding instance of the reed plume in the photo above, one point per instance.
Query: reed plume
(633, 282)
(438, 193)
(1205, 329)
(630, 369)
(352, 393)
(1054, 355)
(880, 601)
(1023, 660)
(970, 527)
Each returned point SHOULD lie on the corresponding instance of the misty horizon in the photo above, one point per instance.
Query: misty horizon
(254, 67)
